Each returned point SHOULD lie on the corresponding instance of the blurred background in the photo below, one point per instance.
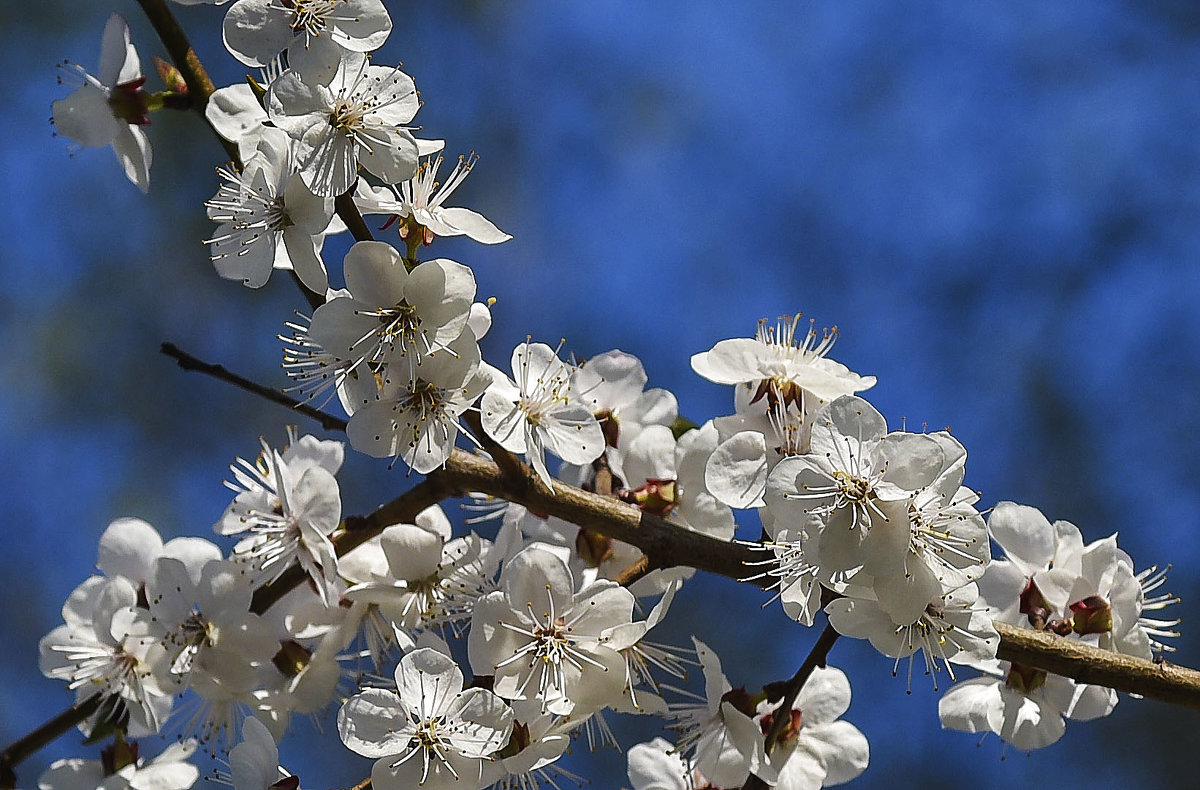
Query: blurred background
(997, 203)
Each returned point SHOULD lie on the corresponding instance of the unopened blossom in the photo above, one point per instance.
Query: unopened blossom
(544, 642)
(122, 768)
(315, 33)
(269, 219)
(430, 732)
(289, 509)
(782, 365)
(417, 204)
(109, 108)
(540, 411)
(358, 118)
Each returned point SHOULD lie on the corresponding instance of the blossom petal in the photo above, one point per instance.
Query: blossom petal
(367, 723)
(85, 117)
(132, 147)
(473, 225)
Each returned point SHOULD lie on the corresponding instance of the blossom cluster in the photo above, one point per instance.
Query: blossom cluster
(469, 660)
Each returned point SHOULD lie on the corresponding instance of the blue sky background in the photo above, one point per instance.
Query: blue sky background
(998, 203)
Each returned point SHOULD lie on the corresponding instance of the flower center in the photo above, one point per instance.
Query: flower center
(850, 488)
(424, 400)
(552, 642)
(427, 736)
(308, 16)
(346, 116)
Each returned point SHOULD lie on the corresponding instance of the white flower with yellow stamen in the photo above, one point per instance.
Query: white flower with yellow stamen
(430, 732)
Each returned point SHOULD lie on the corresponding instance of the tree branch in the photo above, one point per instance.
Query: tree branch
(816, 657)
(188, 362)
(668, 545)
(18, 750)
(1158, 680)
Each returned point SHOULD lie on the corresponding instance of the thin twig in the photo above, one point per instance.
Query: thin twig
(782, 717)
(18, 750)
(186, 361)
(344, 205)
(638, 569)
(816, 658)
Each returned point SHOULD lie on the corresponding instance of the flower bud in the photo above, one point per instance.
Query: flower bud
(1024, 678)
(592, 547)
(791, 730)
(658, 496)
(1092, 615)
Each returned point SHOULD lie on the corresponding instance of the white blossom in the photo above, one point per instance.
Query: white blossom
(289, 503)
(269, 219)
(358, 118)
(109, 108)
(429, 732)
(540, 411)
(418, 205)
(782, 366)
(543, 642)
(315, 33)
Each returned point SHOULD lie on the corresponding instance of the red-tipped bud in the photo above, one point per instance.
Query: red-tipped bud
(170, 76)
(791, 730)
(657, 496)
(1092, 615)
